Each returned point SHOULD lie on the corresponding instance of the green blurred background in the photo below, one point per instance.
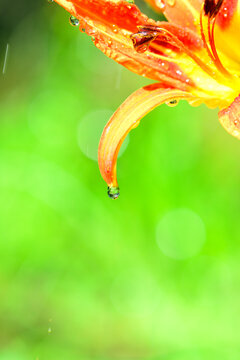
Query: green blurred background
(152, 275)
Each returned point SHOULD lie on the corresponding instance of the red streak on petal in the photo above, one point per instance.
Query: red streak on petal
(226, 13)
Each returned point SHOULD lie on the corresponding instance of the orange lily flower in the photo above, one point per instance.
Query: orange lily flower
(195, 56)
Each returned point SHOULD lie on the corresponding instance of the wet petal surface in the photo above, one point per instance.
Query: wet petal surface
(126, 118)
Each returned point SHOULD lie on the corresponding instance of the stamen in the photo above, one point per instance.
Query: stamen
(142, 40)
(211, 10)
(141, 43)
(214, 50)
(208, 7)
(203, 35)
(167, 36)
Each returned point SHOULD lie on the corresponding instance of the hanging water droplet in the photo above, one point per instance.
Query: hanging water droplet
(172, 103)
(73, 21)
(49, 330)
(113, 192)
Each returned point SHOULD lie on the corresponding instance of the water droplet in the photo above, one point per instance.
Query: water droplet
(73, 21)
(196, 21)
(165, 65)
(49, 330)
(138, 121)
(113, 192)
(172, 103)
(115, 29)
(171, 2)
(161, 4)
(130, 1)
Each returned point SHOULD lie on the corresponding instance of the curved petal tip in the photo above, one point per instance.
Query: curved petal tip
(126, 118)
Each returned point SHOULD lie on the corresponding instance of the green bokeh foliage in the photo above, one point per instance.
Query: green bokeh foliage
(82, 277)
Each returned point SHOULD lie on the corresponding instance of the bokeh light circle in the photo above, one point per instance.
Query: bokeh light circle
(89, 132)
(180, 234)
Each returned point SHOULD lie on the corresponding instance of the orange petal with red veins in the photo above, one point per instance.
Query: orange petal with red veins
(230, 118)
(124, 120)
(180, 12)
(109, 12)
(110, 23)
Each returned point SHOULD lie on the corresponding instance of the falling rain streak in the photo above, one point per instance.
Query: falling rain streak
(5, 60)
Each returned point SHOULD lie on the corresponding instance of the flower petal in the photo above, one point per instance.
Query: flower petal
(230, 118)
(119, 13)
(180, 12)
(186, 51)
(126, 118)
(226, 13)
(227, 30)
(110, 23)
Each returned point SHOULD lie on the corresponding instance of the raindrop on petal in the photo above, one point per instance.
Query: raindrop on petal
(73, 21)
(172, 102)
(161, 4)
(171, 2)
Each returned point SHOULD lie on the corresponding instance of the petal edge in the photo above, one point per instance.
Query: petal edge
(126, 118)
(230, 118)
